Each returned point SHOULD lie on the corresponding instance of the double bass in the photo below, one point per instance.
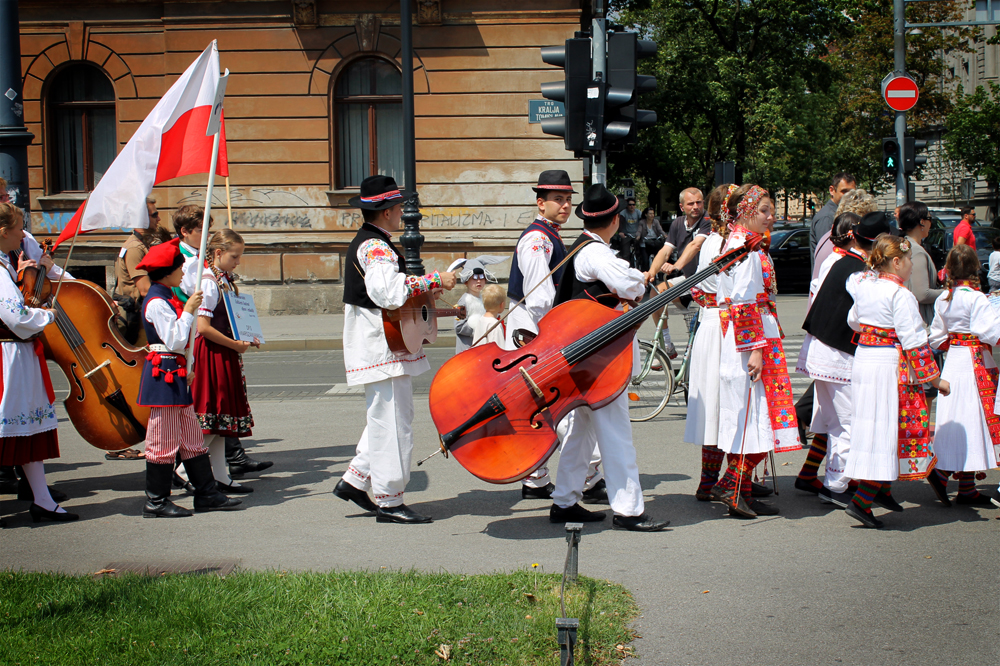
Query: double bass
(103, 370)
(502, 426)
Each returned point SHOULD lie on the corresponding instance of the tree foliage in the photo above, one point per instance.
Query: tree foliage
(973, 133)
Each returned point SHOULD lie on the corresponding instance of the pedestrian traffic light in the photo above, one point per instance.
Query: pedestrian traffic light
(911, 160)
(574, 57)
(890, 155)
(622, 117)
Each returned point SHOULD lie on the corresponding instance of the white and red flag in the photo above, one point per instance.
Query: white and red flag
(170, 143)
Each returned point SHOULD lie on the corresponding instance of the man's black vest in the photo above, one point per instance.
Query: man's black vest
(571, 287)
(515, 284)
(827, 318)
(355, 292)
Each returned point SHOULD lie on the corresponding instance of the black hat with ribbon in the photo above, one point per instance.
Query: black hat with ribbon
(378, 193)
(553, 181)
(871, 226)
(599, 204)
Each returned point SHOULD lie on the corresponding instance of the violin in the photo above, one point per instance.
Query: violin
(103, 370)
(502, 426)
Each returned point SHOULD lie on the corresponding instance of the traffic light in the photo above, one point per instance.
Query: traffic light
(890, 155)
(622, 117)
(574, 57)
(911, 160)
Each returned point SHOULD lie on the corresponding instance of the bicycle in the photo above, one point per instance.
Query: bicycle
(651, 389)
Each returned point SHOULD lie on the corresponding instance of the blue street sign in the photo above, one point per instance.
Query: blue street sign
(540, 109)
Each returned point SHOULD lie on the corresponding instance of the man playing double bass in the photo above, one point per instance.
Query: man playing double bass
(375, 279)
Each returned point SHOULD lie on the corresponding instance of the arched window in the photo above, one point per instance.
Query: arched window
(82, 134)
(367, 103)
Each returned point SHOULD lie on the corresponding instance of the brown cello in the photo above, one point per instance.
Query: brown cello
(497, 410)
(103, 370)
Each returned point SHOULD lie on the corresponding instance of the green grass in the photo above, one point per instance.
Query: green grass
(314, 618)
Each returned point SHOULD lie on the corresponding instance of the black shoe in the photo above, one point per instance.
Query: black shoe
(527, 492)
(832, 497)
(885, 500)
(807, 486)
(206, 494)
(233, 488)
(179, 482)
(24, 492)
(596, 495)
(763, 508)
(159, 478)
(400, 514)
(346, 491)
(737, 506)
(759, 490)
(573, 514)
(978, 499)
(641, 523)
(239, 462)
(940, 489)
(866, 518)
(38, 514)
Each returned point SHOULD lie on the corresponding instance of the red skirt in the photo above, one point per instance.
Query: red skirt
(29, 448)
(220, 390)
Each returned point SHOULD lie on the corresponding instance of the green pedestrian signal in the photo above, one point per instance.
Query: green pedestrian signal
(890, 155)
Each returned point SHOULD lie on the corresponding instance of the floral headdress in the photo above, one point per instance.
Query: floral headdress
(726, 219)
(748, 205)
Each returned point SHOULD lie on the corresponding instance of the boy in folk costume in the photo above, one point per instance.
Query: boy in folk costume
(535, 273)
(594, 272)
(376, 279)
(889, 419)
(967, 437)
(755, 417)
(830, 354)
(163, 388)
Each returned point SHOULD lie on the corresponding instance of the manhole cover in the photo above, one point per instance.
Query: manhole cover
(217, 568)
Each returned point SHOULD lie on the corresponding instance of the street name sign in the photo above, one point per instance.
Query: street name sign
(541, 109)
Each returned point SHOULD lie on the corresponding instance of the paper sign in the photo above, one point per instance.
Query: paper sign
(215, 120)
(243, 317)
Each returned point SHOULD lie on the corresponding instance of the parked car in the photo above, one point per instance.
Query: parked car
(945, 218)
(940, 241)
(790, 254)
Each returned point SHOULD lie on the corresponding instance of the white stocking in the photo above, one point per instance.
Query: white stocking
(217, 454)
(34, 472)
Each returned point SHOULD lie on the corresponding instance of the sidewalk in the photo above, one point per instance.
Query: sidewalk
(325, 332)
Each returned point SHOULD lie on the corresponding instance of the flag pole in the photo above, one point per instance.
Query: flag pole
(203, 249)
(229, 204)
(69, 254)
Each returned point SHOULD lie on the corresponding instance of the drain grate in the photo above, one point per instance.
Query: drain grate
(194, 567)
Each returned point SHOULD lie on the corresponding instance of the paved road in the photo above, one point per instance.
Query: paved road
(805, 587)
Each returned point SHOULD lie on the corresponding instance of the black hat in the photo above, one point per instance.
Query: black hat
(599, 204)
(871, 226)
(554, 181)
(378, 193)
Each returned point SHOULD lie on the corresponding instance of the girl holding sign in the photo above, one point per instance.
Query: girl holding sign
(220, 394)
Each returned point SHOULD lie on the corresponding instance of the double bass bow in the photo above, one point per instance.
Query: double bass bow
(502, 426)
(102, 369)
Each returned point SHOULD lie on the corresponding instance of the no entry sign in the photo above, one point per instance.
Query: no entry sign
(900, 91)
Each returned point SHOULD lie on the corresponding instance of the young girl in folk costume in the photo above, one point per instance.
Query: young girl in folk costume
(219, 389)
(756, 410)
(889, 417)
(967, 435)
(702, 426)
(163, 388)
(27, 414)
(475, 275)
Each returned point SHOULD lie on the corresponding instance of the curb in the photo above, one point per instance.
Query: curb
(331, 344)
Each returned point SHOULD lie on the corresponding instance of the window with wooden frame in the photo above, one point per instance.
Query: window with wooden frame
(82, 133)
(368, 121)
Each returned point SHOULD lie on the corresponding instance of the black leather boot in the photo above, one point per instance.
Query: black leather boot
(239, 462)
(158, 504)
(206, 494)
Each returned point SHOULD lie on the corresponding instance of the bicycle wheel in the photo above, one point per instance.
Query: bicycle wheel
(649, 391)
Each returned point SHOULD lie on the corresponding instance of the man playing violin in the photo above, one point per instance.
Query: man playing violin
(594, 272)
(375, 279)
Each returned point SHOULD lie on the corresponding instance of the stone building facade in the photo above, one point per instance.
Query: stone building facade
(312, 106)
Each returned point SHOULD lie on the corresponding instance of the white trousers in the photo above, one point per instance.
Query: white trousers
(832, 415)
(540, 477)
(612, 430)
(385, 449)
